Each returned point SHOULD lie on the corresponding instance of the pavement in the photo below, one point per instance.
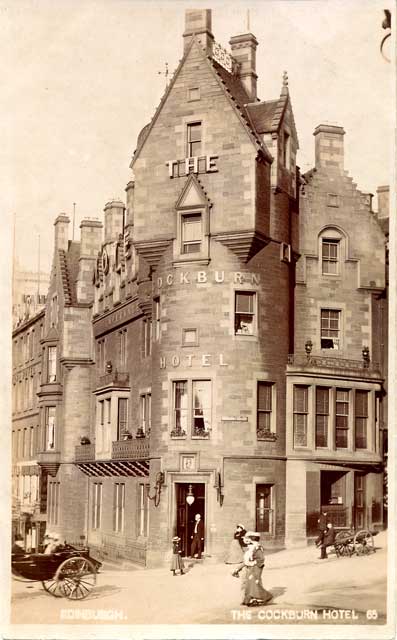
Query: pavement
(305, 589)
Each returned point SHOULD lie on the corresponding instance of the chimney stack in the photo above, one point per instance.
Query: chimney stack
(329, 147)
(383, 194)
(243, 49)
(114, 220)
(90, 243)
(198, 22)
(130, 203)
(61, 225)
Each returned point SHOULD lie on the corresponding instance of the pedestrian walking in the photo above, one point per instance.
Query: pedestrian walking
(237, 547)
(177, 562)
(197, 537)
(254, 559)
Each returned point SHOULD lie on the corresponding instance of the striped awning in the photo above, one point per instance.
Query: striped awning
(103, 468)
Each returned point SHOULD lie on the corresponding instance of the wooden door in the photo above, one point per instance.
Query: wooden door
(359, 501)
(185, 514)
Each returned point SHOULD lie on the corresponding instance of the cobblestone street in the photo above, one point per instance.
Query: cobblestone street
(336, 590)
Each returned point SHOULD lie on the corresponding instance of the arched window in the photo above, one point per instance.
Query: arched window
(331, 251)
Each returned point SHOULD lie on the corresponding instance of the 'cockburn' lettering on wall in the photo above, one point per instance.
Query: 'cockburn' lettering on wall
(202, 277)
(190, 359)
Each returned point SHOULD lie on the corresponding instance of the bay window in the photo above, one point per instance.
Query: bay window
(300, 415)
(361, 419)
(342, 418)
(52, 364)
(191, 408)
(50, 428)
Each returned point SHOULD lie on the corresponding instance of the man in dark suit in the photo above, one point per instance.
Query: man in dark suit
(197, 537)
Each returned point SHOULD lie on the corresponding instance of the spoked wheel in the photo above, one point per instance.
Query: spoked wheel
(363, 542)
(344, 543)
(345, 549)
(53, 586)
(77, 578)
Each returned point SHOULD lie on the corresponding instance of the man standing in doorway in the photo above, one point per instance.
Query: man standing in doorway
(197, 537)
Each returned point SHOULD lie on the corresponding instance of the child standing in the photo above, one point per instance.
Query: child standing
(176, 562)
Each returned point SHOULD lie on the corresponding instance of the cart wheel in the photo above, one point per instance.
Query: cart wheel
(347, 549)
(363, 542)
(342, 535)
(53, 587)
(77, 577)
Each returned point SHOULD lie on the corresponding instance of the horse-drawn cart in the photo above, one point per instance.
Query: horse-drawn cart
(69, 572)
(349, 542)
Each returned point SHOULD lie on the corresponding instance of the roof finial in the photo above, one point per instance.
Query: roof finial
(284, 90)
(164, 73)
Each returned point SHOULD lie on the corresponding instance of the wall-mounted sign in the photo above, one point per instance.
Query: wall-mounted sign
(193, 359)
(204, 277)
(197, 164)
(188, 463)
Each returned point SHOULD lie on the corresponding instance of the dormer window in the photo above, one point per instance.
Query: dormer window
(191, 232)
(192, 224)
(193, 139)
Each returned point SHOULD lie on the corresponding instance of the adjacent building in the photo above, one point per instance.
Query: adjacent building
(335, 378)
(28, 510)
(29, 290)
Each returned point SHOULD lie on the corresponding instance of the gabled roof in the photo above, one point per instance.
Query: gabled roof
(267, 116)
(69, 268)
(233, 90)
(192, 194)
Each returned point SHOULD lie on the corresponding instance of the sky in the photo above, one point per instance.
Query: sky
(81, 78)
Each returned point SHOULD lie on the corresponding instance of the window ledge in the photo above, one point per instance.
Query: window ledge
(200, 437)
(190, 261)
(268, 437)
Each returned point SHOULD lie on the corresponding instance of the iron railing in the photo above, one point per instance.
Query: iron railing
(331, 362)
(134, 449)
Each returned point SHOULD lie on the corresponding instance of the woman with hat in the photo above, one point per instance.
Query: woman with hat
(254, 559)
(237, 546)
(176, 562)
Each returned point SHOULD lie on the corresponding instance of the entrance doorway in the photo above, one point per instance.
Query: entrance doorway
(359, 501)
(185, 513)
(333, 497)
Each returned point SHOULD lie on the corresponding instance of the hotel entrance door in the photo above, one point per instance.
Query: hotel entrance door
(186, 512)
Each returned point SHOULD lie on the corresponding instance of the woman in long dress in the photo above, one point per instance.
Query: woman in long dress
(237, 547)
(254, 560)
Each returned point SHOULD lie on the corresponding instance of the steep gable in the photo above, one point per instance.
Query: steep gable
(232, 89)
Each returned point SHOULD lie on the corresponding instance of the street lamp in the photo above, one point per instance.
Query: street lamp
(190, 496)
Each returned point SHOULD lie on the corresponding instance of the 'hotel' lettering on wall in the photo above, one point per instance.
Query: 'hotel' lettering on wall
(197, 164)
(191, 359)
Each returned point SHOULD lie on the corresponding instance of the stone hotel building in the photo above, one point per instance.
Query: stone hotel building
(220, 350)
